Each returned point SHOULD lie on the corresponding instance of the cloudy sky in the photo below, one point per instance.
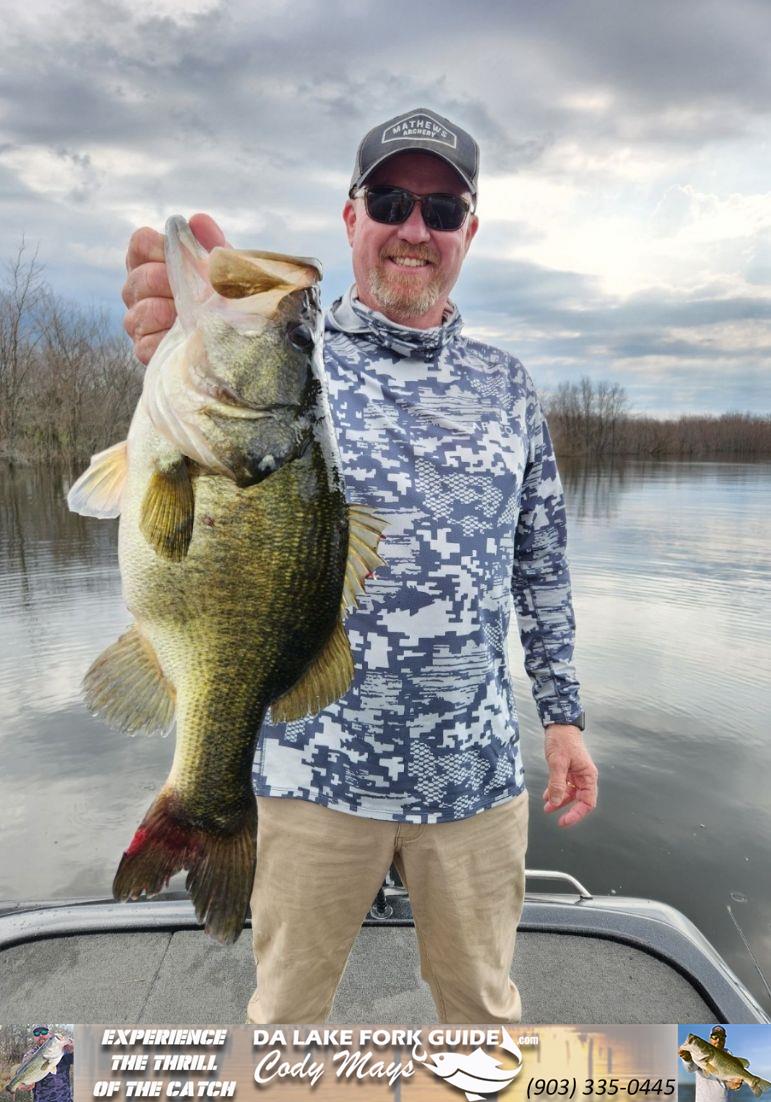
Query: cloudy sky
(626, 160)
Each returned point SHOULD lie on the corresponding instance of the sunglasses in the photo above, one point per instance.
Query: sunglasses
(40, 1031)
(394, 205)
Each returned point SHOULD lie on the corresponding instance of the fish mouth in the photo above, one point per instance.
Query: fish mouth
(225, 402)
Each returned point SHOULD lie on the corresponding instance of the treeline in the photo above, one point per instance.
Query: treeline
(594, 420)
(68, 381)
(69, 384)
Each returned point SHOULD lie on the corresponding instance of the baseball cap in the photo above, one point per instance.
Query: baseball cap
(717, 1031)
(418, 129)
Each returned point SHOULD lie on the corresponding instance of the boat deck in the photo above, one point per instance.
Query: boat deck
(586, 961)
(183, 978)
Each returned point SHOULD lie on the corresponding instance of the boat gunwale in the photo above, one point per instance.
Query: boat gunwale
(651, 927)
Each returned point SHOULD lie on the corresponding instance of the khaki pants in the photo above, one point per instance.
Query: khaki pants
(318, 872)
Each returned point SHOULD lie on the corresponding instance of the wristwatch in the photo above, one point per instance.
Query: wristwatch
(579, 722)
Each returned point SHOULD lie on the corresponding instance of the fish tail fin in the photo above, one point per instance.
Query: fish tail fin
(220, 864)
(758, 1085)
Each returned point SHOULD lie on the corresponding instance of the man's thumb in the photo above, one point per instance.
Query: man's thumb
(207, 231)
(557, 785)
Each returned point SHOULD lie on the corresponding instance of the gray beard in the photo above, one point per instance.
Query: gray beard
(391, 296)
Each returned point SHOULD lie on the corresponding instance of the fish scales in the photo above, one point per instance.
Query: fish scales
(254, 610)
(239, 555)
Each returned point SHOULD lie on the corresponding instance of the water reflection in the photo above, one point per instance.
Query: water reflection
(673, 601)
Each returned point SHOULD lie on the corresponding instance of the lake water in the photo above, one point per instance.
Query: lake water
(672, 587)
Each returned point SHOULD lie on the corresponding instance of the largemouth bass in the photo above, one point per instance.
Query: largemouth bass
(723, 1065)
(43, 1061)
(238, 556)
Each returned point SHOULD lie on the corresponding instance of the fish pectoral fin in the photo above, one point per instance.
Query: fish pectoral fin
(365, 530)
(166, 516)
(98, 491)
(326, 679)
(127, 687)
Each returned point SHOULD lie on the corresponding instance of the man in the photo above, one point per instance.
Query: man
(57, 1085)
(708, 1088)
(419, 763)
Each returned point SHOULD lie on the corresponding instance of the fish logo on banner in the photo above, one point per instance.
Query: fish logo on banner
(476, 1073)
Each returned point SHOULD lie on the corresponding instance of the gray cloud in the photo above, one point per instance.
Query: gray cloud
(109, 116)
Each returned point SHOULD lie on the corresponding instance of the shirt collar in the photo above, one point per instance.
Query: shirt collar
(349, 315)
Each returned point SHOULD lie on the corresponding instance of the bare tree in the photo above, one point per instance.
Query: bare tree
(19, 337)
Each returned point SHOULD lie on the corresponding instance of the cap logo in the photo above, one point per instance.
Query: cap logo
(422, 128)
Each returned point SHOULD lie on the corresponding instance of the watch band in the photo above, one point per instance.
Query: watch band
(579, 722)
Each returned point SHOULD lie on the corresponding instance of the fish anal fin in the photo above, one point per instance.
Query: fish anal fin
(166, 516)
(326, 679)
(365, 529)
(98, 491)
(126, 687)
(475, 1097)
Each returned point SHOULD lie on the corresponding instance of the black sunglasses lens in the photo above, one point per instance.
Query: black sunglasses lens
(389, 205)
(444, 212)
(392, 206)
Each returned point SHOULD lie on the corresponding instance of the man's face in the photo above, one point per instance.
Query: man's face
(407, 272)
(717, 1039)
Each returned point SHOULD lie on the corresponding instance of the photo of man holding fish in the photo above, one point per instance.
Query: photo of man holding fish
(392, 734)
(716, 1070)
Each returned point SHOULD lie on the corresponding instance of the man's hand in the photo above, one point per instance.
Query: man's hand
(572, 774)
(734, 1084)
(147, 293)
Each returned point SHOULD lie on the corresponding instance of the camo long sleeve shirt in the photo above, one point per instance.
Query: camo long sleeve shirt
(445, 438)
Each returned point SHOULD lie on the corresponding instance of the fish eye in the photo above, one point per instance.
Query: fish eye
(301, 338)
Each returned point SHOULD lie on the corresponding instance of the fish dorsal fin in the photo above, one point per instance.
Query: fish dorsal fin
(187, 266)
(326, 679)
(127, 687)
(365, 529)
(742, 1060)
(98, 491)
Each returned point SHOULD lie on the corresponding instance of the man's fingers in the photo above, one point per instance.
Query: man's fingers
(579, 789)
(577, 812)
(147, 324)
(150, 315)
(207, 231)
(556, 789)
(145, 244)
(149, 280)
(144, 349)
